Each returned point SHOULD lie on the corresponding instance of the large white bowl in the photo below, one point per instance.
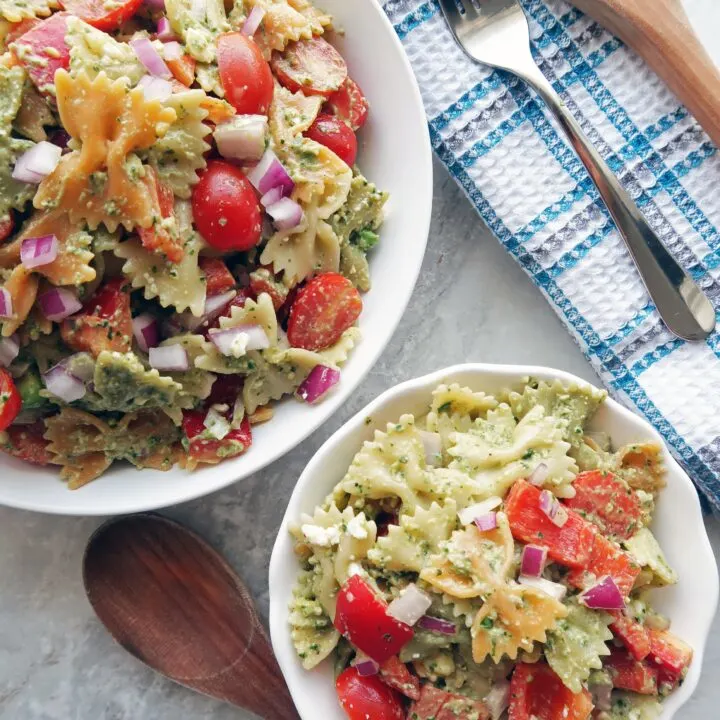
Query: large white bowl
(395, 154)
(678, 524)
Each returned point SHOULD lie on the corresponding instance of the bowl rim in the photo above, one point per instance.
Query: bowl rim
(423, 166)
(278, 612)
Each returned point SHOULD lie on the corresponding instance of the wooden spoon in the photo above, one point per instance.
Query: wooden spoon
(660, 32)
(173, 602)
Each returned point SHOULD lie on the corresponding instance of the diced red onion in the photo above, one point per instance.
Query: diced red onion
(318, 383)
(365, 665)
(63, 384)
(146, 332)
(236, 341)
(602, 696)
(270, 173)
(539, 475)
(533, 562)
(272, 196)
(553, 589)
(155, 88)
(214, 306)
(242, 137)
(467, 515)
(217, 425)
(604, 595)
(150, 58)
(6, 303)
(286, 214)
(436, 624)
(432, 444)
(486, 522)
(172, 50)
(498, 699)
(169, 357)
(552, 508)
(59, 303)
(9, 350)
(164, 31)
(410, 605)
(38, 251)
(253, 21)
(37, 163)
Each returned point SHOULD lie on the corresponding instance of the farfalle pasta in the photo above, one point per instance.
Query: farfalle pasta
(468, 592)
(184, 228)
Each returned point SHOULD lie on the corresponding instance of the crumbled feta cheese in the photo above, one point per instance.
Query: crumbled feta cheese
(238, 347)
(320, 536)
(357, 527)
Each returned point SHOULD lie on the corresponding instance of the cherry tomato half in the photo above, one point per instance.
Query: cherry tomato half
(312, 66)
(335, 135)
(323, 310)
(367, 697)
(244, 74)
(101, 14)
(349, 104)
(10, 400)
(226, 209)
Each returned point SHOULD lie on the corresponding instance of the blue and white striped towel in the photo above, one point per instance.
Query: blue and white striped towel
(495, 137)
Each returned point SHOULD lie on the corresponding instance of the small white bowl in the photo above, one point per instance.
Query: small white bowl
(395, 154)
(678, 525)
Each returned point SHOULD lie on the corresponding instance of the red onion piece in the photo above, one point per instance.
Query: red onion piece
(172, 50)
(604, 595)
(39, 251)
(270, 173)
(150, 58)
(164, 31)
(553, 589)
(410, 605)
(498, 699)
(169, 358)
(9, 350)
(235, 342)
(538, 476)
(272, 196)
(59, 303)
(155, 88)
(286, 214)
(146, 332)
(63, 384)
(552, 508)
(486, 522)
(214, 306)
(533, 562)
(467, 515)
(428, 622)
(37, 163)
(367, 666)
(242, 137)
(6, 303)
(253, 21)
(602, 696)
(318, 383)
(432, 444)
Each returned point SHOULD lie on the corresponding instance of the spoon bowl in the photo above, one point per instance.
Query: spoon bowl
(175, 604)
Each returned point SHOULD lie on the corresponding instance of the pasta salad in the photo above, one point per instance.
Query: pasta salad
(184, 229)
(491, 559)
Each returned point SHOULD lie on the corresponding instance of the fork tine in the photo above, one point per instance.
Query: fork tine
(451, 12)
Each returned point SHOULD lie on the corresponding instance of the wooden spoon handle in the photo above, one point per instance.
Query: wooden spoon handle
(660, 32)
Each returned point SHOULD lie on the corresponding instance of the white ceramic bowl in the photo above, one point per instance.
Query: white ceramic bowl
(395, 154)
(678, 524)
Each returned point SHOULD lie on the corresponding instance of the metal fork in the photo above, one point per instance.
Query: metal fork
(496, 33)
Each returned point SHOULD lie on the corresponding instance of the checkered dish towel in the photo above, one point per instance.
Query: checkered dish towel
(494, 136)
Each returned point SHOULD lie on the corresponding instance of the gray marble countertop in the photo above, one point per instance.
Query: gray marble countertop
(58, 663)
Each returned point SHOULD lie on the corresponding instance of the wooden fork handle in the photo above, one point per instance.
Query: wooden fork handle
(660, 32)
